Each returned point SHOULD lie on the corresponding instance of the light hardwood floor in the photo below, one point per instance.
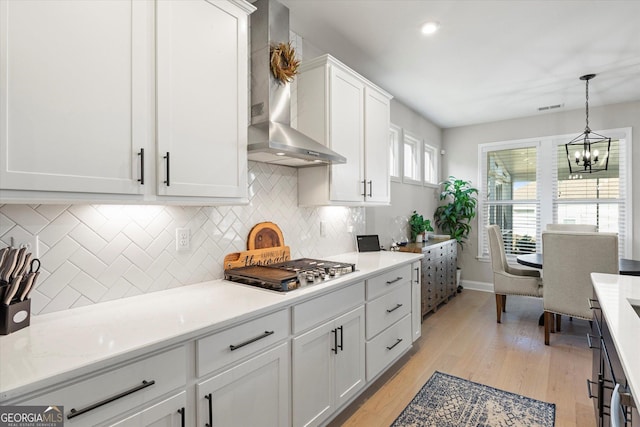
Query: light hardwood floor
(463, 339)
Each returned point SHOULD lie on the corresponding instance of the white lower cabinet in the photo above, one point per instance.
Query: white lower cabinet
(416, 316)
(252, 393)
(328, 368)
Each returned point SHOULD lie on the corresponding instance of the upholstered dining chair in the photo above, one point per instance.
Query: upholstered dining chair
(569, 260)
(507, 279)
(589, 228)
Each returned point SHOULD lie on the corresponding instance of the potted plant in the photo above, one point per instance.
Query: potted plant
(454, 218)
(418, 226)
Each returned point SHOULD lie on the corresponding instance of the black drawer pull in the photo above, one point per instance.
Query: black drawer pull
(168, 181)
(589, 336)
(397, 279)
(370, 189)
(259, 337)
(364, 186)
(141, 154)
(394, 308)
(209, 397)
(592, 306)
(181, 412)
(75, 412)
(591, 395)
(335, 341)
(417, 269)
(341, 345)
(397, 342)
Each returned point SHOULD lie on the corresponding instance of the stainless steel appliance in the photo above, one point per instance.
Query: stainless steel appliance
(289, 275)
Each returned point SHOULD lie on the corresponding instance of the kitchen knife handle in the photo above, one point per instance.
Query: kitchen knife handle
(141, 154)
(75, 412)
(233, 347)
(209, 397)
(168, 181)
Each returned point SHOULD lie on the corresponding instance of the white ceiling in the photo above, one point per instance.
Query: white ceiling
(491, 60)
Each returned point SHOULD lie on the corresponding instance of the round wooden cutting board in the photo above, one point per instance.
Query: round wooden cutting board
(265, 235)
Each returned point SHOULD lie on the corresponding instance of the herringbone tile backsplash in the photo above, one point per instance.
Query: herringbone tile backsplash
(95, 253)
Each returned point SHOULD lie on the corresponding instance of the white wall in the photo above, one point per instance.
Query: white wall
(461, 160)
(405, 198)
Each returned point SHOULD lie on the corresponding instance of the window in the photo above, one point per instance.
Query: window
(526, 184)
(394, 152)
(412, 153)
(430, 165)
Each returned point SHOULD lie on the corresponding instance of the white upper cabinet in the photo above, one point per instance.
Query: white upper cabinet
(202, 99)
(74, 104)
(95, 94)
(349, 114)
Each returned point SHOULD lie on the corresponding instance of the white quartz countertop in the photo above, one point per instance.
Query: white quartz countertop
(616, 293)
(63, 345)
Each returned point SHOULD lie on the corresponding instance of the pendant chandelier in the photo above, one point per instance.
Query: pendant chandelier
(589, 151)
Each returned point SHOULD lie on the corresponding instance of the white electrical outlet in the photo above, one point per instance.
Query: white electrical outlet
(183, 239)
(323, 229)
(25, 240)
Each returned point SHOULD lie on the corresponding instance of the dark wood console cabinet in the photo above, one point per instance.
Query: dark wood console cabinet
(438, 281)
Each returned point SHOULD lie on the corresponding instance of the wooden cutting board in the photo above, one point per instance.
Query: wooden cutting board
(265, 245)
(265, 235)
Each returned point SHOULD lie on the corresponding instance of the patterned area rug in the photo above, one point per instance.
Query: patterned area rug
(448, 401)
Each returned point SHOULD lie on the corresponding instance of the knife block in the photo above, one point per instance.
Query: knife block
(15, 316)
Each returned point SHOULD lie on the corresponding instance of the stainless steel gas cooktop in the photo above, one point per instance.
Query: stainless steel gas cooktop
(289, 275)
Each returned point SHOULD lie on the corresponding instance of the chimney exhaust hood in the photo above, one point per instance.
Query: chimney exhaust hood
(271, 137)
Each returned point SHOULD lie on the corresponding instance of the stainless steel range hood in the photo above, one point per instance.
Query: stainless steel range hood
(271, 137)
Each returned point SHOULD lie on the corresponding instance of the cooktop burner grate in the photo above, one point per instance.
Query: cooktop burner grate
(289, 275)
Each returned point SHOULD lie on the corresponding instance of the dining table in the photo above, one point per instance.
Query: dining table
(628, 267)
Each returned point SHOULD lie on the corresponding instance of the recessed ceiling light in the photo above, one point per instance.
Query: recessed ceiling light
(430, 27)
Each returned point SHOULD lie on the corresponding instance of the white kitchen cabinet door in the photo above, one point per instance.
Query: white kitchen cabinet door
(202, 99)
(75, 87)
(253, 393)
(346, 115)
(350, 360)
(376, 147)
(170, 412)
(328, 368)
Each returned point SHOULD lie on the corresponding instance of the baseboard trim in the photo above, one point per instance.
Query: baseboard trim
(477, 286)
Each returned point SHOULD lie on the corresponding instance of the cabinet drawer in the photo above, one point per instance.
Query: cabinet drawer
(312, 312)
(225, 347)
(387, 309)
(388, 346)
(382, 283)
(162, 373)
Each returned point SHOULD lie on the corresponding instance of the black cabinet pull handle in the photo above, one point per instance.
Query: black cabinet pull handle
(397, 342)
(209, 397)
(364, 187)
(417, 269)
(168, 181)
(394, 308)
(335, 341)
(397, 279)
(141, 154)
(247, 342)
(75, 412)
(591, 395)
(340, 346)
(181, 412)
(589, 336)
(370, 189)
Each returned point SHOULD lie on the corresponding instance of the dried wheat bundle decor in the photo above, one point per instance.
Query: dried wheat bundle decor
(284, 64)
